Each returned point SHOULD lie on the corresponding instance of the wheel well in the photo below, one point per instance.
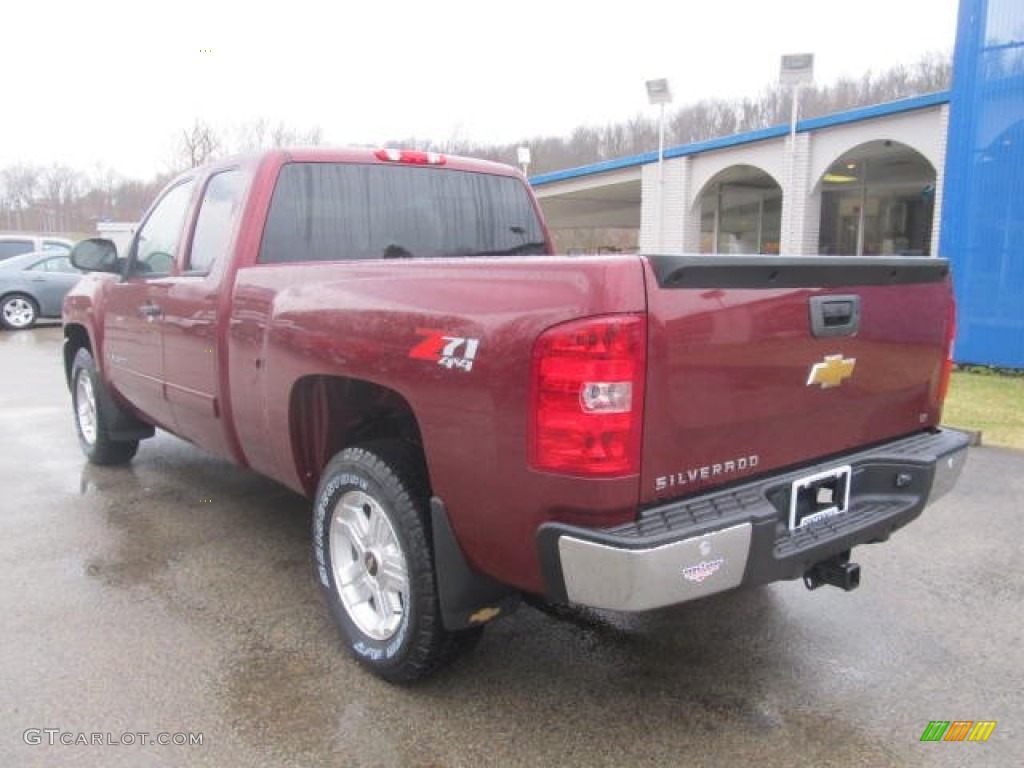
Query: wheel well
(75, 338)
(330, 413)
(11, 294)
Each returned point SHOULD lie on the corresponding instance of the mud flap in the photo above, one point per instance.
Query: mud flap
(121, 425)
(468, 598)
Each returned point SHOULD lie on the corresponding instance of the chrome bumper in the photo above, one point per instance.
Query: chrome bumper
(695, 547)
(641, 579)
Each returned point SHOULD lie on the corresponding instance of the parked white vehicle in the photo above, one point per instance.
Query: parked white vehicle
(17, 243)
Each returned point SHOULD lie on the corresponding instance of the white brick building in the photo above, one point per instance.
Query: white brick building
(866, 181)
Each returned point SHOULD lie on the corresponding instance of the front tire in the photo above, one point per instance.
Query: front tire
(88, 396)
(18, 312)
(375, 563)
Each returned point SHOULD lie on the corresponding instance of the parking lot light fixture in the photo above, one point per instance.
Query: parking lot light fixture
(796, 70)
(659, 93)
(523, 158)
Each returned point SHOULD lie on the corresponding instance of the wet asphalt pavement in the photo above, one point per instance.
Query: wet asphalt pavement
(176, 596)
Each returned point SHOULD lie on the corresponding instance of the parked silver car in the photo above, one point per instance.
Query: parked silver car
(33, 285)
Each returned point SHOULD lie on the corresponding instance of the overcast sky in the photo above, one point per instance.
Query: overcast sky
(111, 83)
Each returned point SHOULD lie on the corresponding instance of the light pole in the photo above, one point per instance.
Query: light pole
(659, 93)
(523, 157)
(796, 69)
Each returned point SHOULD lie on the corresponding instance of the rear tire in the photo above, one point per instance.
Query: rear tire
(18, 312)
(88, 395)
(375, 563)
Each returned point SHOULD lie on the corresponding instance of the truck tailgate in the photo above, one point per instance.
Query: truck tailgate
(759, 363)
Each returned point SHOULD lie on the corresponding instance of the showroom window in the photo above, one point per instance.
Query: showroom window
(877, 200)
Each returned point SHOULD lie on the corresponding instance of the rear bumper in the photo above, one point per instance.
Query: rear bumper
(696, 547)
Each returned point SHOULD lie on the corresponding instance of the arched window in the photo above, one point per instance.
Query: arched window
(741, 212)
(878, 199)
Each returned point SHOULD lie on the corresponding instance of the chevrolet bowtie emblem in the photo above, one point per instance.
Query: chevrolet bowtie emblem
(833, 372)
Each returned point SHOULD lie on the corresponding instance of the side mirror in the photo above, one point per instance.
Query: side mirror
(96, 254)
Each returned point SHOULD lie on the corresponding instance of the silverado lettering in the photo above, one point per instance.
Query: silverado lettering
(689, 476)
(319, 316)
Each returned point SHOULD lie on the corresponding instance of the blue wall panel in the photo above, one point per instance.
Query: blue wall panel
(983, 209)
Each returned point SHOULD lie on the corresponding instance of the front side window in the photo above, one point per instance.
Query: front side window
(158, 239)
(339, 211)
(218, 213)
(56, 245)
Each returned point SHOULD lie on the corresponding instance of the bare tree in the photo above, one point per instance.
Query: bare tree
(106, 181)
(257, 134)
(284, 135)
(704, 120)
(59, 197)
(717, 117)
(20, 183)
(252, 135)
(60, 186)
(198, 144)
(934, 72)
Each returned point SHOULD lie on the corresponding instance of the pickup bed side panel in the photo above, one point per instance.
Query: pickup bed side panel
(390, 323)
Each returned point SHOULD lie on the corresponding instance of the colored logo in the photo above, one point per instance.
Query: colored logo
(958, 730)
(832, 372)
(451, 352)
(698, 573)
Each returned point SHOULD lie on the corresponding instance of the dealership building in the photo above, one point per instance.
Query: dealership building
(932, 175)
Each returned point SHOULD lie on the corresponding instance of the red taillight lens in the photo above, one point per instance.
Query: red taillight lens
(587, 380)
(411, 156)
(947, 368)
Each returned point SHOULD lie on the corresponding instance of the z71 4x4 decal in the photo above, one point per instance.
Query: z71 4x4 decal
(451, 352)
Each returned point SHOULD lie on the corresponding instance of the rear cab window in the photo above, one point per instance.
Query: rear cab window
(344, 211)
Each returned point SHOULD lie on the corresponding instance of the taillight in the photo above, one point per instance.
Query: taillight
(947, 368)
(411, 156)
(587, 396)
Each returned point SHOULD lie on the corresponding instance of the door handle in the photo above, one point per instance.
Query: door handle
(151, 310)
(835, 315)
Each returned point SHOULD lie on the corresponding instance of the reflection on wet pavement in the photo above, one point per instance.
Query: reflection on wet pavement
(177, 595)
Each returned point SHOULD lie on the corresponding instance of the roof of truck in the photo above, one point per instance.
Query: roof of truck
(365, 155)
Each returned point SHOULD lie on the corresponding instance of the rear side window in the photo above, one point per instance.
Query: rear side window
(337, 211)
(216, 223)
(9, 248)
(55, 264)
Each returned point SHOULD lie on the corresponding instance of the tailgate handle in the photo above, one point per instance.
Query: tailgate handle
(835, 315)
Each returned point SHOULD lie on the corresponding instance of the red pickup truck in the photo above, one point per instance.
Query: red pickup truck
(476, 418)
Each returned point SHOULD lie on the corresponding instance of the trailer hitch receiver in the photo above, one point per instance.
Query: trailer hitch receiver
(837, 571)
